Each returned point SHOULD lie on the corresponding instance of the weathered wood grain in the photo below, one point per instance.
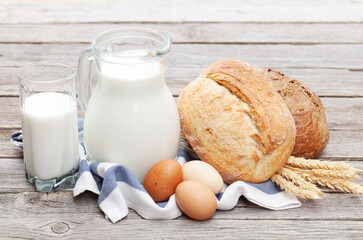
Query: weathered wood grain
(142, 229)
(29, 204)
(9, 113)
(343, 112)
(82, 228)
(255, 33)
(344, 144)
(325, 82)
(184, 11)
(338, 56)
(7, 149)
(272, 56)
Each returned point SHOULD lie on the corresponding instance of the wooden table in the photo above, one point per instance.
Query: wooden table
(318, 42)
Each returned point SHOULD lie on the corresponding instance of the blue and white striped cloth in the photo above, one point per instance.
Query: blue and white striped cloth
(119, 190)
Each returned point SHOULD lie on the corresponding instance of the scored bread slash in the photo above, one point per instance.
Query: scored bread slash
(235, 121)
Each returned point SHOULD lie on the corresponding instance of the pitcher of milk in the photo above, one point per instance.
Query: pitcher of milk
(131, 117)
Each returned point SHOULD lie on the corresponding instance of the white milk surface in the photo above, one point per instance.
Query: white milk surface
(132, 118)
(50, 135)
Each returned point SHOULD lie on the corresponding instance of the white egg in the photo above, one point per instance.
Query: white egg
(203, 172)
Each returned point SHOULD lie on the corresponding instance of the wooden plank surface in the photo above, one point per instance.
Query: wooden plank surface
(7, 149)
(41, 228)
(344, 11)
(318, 42)
(246, 33)
(194, 55)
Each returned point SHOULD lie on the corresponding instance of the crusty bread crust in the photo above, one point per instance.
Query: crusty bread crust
(237, 122)
(312, 133)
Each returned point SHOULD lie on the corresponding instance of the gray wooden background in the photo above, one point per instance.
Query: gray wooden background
(319, 42)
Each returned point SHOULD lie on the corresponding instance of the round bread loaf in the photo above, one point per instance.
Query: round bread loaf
(312, 133)
(237, 122)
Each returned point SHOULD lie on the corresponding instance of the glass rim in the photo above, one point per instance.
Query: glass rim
(47, 63)
(165, 35)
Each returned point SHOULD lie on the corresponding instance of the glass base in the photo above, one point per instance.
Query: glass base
(52, 185)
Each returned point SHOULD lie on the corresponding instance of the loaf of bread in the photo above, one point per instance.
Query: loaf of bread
(312, 133)
(235, 121)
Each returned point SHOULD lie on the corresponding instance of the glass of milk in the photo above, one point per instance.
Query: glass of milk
(49, 124)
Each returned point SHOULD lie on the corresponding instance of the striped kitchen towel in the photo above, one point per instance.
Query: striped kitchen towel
(119, 190)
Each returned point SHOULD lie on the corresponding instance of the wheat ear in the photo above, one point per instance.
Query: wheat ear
(317, 164)
(330, 182)
(187, 148)
(299, 181)
(292, 188)
(342, 174)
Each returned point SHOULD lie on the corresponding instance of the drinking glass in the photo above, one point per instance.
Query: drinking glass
(47, 92)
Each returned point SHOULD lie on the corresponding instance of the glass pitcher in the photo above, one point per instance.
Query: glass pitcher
(131, 117)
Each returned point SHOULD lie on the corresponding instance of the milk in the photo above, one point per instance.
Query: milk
(131, 117)
(50, 135)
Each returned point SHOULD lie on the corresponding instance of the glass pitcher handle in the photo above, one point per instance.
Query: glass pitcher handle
(84, 77)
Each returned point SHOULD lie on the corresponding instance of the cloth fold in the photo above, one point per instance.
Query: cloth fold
(119, 190)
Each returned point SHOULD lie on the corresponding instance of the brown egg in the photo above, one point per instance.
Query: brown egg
(196, 200)
(162, 179)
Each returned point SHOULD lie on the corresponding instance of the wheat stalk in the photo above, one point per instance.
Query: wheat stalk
(187, 148)
(330, 182)
(299, 181)
(318, 164)
(292, 188)
(184, 141)
(343, 174)
(182, 136)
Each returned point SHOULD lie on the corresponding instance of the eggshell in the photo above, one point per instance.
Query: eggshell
(196, 200)
(203, 172)
(161, 180)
